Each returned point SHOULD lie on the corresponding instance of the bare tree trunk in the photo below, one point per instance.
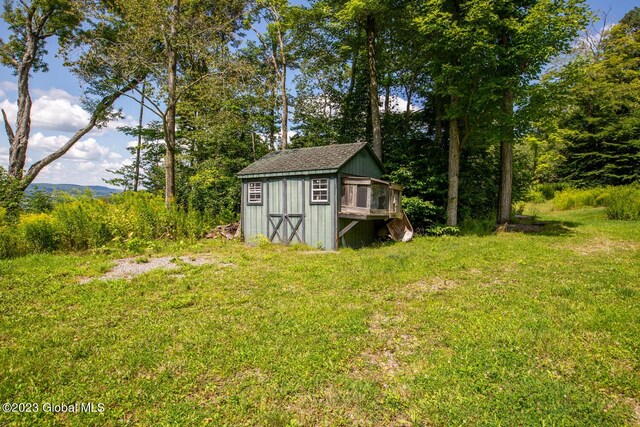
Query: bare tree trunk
(283, 89)
(506, 162)
(19, 141)
(170, 116)
(285, 107)
(347, 112)
(454, 172)
(376, 127)
(387, 97)
(439, 130)
(136, 180)
(253, 144)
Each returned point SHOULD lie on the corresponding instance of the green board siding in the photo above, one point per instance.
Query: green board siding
(275, 206)
(362, 164)
(363, 234)
(296, 206)
(254, 216)
(320, 220)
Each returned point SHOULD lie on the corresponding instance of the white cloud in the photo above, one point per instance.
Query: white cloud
(2, 94)
(84, 150)
(8, 86)
(81, 172)
(55, 93)
(58, 114)
(4, 156)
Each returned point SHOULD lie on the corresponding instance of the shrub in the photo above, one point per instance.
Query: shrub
(38, 201)
(623, 203)
(574, 199)
(421, 213)
(11, 244)
(549, 190)
(81, 223)
(442, 230)
(39, 232)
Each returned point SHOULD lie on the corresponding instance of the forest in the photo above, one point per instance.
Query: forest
(473, 106)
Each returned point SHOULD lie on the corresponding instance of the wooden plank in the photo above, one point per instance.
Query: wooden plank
(348, 227)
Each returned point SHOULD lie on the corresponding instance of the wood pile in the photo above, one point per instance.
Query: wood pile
(228, 231)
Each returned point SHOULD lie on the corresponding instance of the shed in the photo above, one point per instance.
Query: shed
(329, 196)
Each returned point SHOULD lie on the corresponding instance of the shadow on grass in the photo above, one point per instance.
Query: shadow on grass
(542, 228)
(526, 225)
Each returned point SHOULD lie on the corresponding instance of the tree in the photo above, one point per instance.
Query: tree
(31, 25)
(366, 13)
(458, 51)
(599, 127)
(528, 34)
(275, 44)
(175, 42)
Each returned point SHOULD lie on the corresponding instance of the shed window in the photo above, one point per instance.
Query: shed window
(320, 190)
(255, 193)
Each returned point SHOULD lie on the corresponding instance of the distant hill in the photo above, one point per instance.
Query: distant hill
(97, 190)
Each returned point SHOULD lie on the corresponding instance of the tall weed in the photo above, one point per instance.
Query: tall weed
(620, 202)
(623, 203)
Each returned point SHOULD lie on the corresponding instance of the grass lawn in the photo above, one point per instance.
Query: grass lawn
(502, 329)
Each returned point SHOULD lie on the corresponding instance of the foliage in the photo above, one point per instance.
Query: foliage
(11, 196)
(38, 201)
(421, 213)
(574, 198)
(623, 203)
(620, 202)
(129, 220)
(593, 138)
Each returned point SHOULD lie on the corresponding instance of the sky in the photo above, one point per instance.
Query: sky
(57, 113)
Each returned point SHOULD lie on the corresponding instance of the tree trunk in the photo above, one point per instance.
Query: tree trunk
(454, 172)
(172, 100)
(376, 127)
(136, 180)
(19, 141)
(506, 161)
(285, 106)
(283, 90)
(347, 112)
(438, 110)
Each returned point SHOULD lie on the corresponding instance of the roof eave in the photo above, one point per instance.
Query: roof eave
(290, 173)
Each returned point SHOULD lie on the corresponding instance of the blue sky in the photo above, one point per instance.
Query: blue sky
(57, 113)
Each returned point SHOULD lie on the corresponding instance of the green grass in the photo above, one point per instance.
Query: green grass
(504, 329)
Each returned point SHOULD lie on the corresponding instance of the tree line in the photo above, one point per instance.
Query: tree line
(455, 96)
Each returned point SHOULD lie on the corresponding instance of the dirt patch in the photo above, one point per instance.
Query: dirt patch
(603, 245)
(129, 268)
(436, 284)
(636, 407)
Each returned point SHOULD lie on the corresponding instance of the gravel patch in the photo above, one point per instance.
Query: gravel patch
(129, 268)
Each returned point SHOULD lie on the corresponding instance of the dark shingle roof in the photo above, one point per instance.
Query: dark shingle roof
(328, 157)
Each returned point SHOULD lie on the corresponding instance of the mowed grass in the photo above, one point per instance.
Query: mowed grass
(503, 329)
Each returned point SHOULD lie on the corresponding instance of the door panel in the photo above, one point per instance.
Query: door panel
(286, 210)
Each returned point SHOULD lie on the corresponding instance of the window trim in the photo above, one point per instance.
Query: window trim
(249, 192)
(328, 190)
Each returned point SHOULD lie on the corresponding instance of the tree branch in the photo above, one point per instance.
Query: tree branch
(8, 128)
(104, 104)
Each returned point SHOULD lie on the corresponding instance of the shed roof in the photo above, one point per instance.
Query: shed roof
(328, 158)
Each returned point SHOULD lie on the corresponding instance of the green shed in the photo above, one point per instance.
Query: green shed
(329, 196)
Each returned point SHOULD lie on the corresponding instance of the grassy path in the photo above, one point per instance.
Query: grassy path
(505, 329)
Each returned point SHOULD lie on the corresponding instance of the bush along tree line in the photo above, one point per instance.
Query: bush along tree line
(456, 96)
